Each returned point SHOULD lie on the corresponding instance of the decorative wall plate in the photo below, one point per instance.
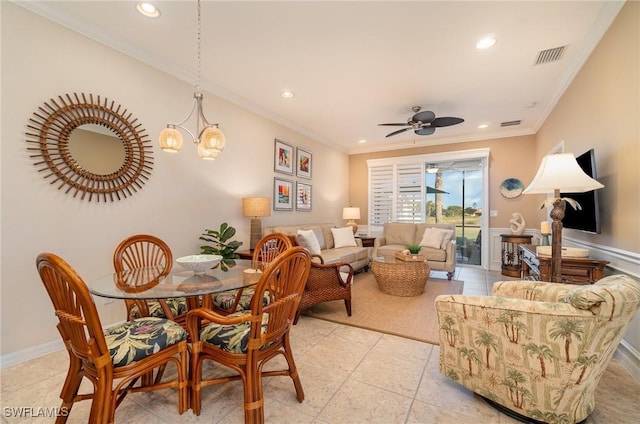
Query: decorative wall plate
(511, 187)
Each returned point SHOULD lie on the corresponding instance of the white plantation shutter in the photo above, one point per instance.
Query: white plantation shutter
(410, 189)
(396, 193)
(380, 195)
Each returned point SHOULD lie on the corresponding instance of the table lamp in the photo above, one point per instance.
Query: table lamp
(351, 214)
(559, 172)
(256, 207)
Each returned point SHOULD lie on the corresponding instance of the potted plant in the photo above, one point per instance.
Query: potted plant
(414, 249)
(221, 244)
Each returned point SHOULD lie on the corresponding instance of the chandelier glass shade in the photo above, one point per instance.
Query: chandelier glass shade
(208, 137)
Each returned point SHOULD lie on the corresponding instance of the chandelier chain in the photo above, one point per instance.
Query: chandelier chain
(199, 29)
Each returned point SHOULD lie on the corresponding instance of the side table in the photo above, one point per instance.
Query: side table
(511, 253)
(367, 241)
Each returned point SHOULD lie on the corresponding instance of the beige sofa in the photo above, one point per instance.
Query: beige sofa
(356, 256)
(397, 236)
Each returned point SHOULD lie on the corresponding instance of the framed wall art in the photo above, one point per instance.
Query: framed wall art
(303, 163)
(303, 197)
(283, 157)
(282, 194)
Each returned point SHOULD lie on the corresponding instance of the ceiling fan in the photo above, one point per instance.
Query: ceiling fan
(423, 123)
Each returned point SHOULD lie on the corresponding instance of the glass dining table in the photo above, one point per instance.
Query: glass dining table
(149, 283)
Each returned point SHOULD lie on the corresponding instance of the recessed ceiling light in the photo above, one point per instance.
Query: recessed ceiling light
(287, 94)
(486, 42)
(531, 105)
(148, 9)
(483, 126)
(362, 141)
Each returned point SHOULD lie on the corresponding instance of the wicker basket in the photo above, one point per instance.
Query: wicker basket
(401, 278)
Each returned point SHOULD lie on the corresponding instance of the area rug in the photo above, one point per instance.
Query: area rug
(410, 317)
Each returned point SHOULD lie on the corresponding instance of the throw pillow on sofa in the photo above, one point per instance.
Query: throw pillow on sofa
(434, 237)
(343, 237)
(308, 240)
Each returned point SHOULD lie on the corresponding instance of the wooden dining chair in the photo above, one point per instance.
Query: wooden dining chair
(245, 341)
(266, 250)
(113, 359)
(144, 250)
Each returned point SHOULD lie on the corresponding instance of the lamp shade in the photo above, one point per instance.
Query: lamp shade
(256, 206)
(170, 140)
(351, 213)
(561, 172)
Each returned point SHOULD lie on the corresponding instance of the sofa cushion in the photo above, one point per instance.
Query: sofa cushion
(319, 233)
(308, 240)
(434, 255)
(421, 227)
(343, 237)
(399, 233)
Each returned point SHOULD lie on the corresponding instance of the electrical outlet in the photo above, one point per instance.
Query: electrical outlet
(493, 214)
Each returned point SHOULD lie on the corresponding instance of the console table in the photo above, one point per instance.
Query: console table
(511, 255)
(573, 270)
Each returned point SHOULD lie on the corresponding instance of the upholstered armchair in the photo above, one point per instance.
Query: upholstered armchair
(533, 348)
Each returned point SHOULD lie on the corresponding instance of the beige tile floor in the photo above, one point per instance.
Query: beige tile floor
(349, 375)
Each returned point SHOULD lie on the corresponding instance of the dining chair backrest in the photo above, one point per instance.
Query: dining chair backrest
(140, 251)
(79, 323)
(282, 282)
(270, 246)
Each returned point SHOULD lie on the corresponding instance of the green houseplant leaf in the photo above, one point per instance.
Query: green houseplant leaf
(220, 244)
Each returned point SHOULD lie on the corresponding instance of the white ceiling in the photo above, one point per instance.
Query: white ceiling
(355, 64)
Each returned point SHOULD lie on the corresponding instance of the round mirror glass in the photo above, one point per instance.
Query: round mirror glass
(97, 149)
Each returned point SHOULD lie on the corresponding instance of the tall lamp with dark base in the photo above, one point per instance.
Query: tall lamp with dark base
(559, 173)
(256, 207)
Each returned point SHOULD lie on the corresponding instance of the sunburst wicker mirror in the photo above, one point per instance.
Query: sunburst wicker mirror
(54, 137)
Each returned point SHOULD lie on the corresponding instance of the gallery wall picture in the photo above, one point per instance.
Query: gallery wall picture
(303, 163)
(283, 194)
(283, 157)
(303, 197)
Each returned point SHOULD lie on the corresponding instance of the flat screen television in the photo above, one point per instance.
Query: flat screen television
(588, 218)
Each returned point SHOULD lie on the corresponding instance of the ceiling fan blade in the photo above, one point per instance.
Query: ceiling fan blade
(398, 132)
(425, 131)
(397, 124)
(446, 121)
(423, 117)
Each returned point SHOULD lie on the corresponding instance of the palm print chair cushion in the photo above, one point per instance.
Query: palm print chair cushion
(537, 349)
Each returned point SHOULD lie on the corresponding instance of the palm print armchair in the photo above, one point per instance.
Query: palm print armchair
(533, 348)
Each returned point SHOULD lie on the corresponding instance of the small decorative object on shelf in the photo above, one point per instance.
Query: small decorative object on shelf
(517, 224)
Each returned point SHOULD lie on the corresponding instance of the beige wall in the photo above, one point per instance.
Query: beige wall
(512, 157)
(601, 110)
(183, 197)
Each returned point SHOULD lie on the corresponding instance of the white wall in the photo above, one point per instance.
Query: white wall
(184, 195)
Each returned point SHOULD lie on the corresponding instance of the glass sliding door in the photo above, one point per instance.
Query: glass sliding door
(454, 195)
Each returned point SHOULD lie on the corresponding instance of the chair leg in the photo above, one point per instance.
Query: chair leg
(253, 399)
(449, 275)
(293, 371)
(347, 304)
(195, 372)
(70, 388)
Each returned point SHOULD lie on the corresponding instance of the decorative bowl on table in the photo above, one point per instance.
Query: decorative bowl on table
(199, 264)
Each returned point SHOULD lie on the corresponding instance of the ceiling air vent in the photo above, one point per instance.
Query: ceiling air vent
(510, 123)
(549, 55)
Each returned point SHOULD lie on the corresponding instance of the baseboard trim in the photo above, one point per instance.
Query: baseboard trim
(629, 358)
(30, 353)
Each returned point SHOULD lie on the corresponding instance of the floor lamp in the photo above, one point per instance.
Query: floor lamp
(559, 172)
(256, 207)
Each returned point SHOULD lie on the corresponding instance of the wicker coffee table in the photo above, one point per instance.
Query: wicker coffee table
(400, 278)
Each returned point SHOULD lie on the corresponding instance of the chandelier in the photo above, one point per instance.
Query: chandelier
(208, 137)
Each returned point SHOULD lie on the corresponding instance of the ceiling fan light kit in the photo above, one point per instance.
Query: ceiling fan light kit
(423, 123)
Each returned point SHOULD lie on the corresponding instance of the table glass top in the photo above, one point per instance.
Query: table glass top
(149, 283)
